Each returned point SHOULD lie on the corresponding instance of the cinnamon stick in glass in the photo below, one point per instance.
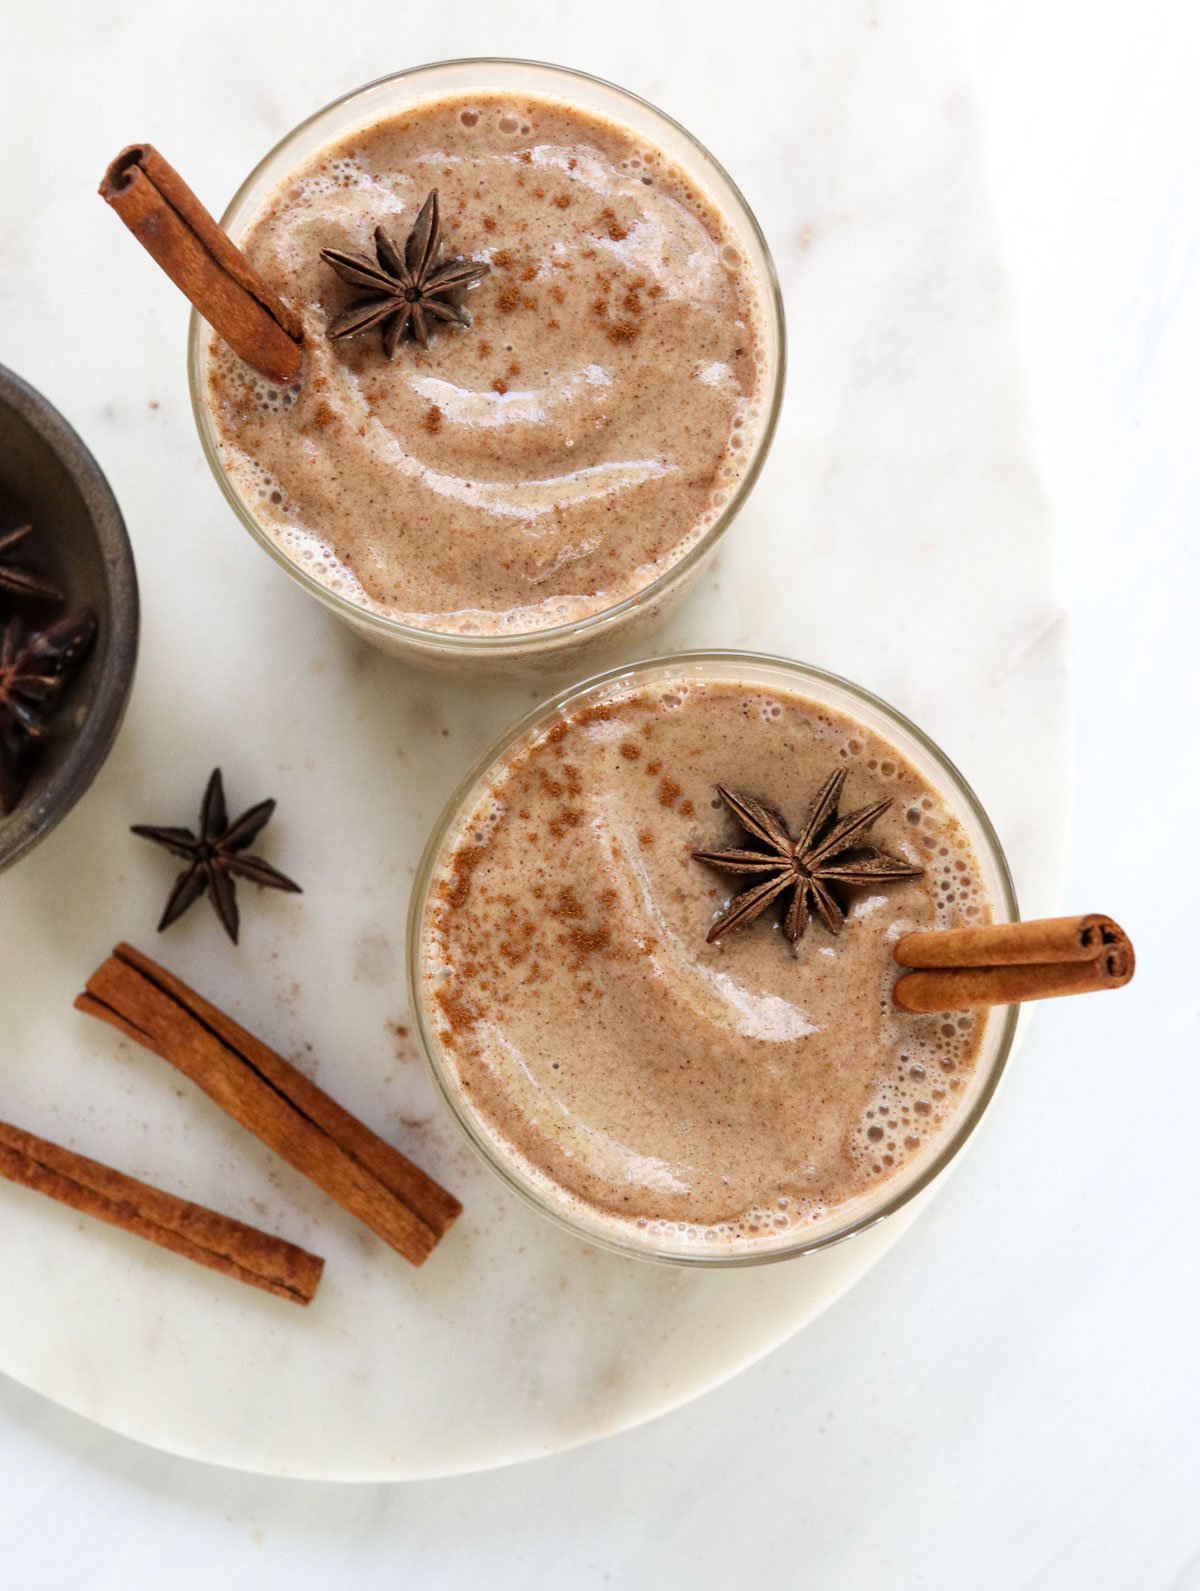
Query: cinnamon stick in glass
(216, 1241)
(169, 221)
(274, 1101)
(958, 969)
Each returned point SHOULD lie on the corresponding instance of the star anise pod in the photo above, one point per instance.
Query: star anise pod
(821, 861)
(215, 857)
(19, 580)
(405, 290)
(34, 672)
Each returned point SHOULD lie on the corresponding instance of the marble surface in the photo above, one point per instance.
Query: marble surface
(890, 1442)
(898, 534)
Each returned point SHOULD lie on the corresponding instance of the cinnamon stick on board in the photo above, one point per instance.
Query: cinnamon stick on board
(1003, 963)
(277, 1103)
(169, 221)
(217, 1241)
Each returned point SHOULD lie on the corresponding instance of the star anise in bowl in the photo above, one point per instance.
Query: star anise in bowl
(68, 618)
(17, 578)
(34, 672)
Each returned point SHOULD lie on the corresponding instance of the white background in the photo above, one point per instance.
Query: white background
(1010, 1398)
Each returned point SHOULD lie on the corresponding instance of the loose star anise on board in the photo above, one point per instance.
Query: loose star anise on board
(16, 578)
(405, 290)
(34, 672)
(215, 857)
(813, 866)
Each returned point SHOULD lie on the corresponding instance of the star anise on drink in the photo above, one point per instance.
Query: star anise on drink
(215, 857)
(816, 867)
(16, 578)
(407, 290)
(34, 672)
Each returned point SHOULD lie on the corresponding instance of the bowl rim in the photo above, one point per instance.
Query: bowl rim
(425, 638)
(30, 822)
(1005, 1018)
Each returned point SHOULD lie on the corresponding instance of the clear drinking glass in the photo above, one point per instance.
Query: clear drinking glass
(766, 673)
(386, 96)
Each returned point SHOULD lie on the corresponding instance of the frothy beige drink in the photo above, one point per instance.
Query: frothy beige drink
(629, 1070)
(564, 452)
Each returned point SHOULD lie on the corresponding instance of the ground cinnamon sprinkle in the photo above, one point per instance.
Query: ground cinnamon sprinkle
(509, 299)
(588, 941)
(568, 818)
(563, 200)
(610, 224)
(500, 385)
(668, 792)
(455, 889)
(568, 904)
(322, 416)
(629, 751)
(518, 944)
(460, 1015)
(433, 420)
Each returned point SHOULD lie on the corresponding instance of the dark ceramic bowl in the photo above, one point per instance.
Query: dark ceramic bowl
(50, 480)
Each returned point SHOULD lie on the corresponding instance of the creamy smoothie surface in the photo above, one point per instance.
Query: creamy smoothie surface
(729, 1091)
(564, 451)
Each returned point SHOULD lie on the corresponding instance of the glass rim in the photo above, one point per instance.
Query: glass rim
(425, 637)
(907, 1190)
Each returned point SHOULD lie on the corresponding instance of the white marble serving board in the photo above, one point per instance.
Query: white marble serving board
(898, 535)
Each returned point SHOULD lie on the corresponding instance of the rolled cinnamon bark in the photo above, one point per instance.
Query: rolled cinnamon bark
(274, 1101)
(1006, 963)
(1009, 944)
(169, 221)
(216, 1241)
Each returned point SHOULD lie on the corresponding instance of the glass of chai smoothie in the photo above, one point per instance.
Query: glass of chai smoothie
(724, 1101)
(556, 470)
